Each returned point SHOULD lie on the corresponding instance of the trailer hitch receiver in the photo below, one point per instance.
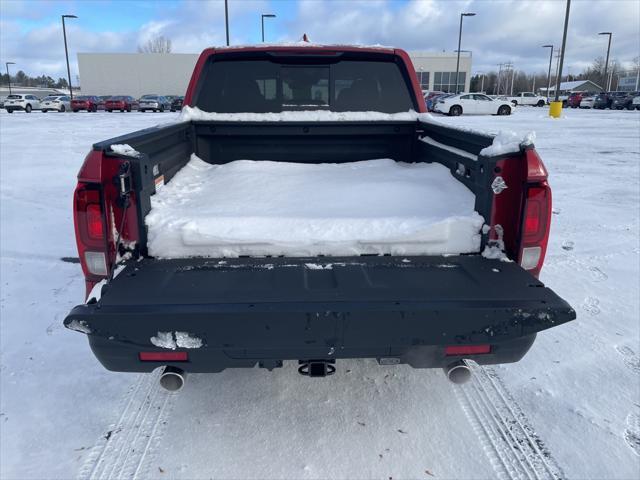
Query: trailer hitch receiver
(317, 368)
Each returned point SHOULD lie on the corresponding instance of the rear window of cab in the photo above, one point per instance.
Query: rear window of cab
(272, 83)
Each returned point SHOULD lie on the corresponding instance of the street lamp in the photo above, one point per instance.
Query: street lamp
(226, 19)
(606, 62)
(459, 41)
(262, 17)
(9, 76)
(555, 107)
(549, 74)
(564, 44)
(482, 84)
(66, 51)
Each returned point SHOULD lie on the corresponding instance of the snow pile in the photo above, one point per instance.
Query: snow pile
(508, 141)
(194, 113)
(125, 149)
(276, 208)
(171, 340)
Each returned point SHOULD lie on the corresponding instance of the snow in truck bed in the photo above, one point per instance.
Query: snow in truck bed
(263, 208)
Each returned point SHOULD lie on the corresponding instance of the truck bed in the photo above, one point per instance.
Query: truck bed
(258, 208)
(249, 310)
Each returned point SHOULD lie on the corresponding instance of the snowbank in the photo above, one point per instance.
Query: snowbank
(276, 208)
(194, 113)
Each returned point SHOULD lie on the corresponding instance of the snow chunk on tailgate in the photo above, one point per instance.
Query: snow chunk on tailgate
(125, 149)
(173, 340)
(79, 326)
(276, 208)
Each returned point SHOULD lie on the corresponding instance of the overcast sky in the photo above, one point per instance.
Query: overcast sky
(509, 30)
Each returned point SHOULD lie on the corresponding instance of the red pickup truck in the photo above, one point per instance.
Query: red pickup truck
(309, 105)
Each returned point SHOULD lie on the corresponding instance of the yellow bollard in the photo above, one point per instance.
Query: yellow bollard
(555, 109)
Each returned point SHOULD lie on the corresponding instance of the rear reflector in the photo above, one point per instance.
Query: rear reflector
(96, 263)
(452, 350)
(163, 356)
(530, 257)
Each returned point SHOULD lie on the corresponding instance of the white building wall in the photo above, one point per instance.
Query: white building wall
(135, 74)
(434, 62)
(138, 74)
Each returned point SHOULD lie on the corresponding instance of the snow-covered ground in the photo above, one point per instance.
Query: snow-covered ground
(570, 408)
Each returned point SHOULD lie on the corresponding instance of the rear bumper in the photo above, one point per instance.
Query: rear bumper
(14, 107)
(123, 357)
(248, 311)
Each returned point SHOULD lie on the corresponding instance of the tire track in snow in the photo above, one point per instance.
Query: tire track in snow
(513, 447)
(127, 448)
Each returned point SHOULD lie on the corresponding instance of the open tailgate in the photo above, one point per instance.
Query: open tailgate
(284, 307)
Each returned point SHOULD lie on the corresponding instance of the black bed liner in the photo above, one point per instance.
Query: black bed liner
(288, 304)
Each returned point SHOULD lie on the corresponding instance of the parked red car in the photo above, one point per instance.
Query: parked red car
(85, 102)
(122, 103)
(575, 98)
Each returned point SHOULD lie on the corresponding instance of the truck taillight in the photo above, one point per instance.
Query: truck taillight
(94, 221)
(535, 227)
(90, 231)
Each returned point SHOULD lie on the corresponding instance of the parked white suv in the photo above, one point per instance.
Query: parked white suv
(59, 103)
(21, 102)
(528, 98)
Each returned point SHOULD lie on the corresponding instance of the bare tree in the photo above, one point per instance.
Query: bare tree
(159, 44)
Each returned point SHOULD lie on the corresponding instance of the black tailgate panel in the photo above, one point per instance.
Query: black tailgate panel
(254, 304)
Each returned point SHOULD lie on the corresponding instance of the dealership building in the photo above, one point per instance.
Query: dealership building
(138, 74)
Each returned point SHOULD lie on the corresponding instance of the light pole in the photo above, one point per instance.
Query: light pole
(555, 109)
(606, 62)
(459, 42)
(9, 76)
(66, 51)
(564, 44)
(482, 81)
(497, 89)
(226, 19)
(262, 17)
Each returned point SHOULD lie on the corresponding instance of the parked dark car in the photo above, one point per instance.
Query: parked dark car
(103, 100)
(122, 103)
(85, 102)
(624, 101)
(602, 101)
(428, 98)
(156, 103)
(176, 104)
(605, 100)
(431, 103)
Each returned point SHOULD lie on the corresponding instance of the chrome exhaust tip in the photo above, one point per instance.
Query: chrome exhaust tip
(172, 379)
(458, 372)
